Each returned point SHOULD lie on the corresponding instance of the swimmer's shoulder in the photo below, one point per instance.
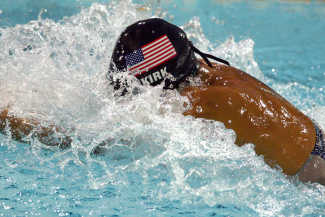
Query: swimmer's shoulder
(223, 75)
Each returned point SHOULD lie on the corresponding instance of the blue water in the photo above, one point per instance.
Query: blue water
(154, 161)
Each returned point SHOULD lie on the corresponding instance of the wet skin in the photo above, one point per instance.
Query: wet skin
(258, 115)
(21, 127)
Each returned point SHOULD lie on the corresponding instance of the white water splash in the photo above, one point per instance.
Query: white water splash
(55, 71)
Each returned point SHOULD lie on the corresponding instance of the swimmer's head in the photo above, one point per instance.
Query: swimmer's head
(154, 51)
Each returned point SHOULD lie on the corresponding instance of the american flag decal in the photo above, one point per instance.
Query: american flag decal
(150, 55)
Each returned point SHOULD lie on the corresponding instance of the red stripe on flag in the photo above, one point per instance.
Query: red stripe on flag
(166, 49)
(154, 61)
(148, 45)
(150, 60)
(157, 48)
(161, 43)
(155, 53)
(154, 64)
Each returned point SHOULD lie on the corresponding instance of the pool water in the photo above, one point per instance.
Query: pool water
(153, 161)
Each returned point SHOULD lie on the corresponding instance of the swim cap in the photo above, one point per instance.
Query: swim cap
(153, 48)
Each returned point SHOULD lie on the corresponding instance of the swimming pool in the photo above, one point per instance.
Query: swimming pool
(157, 162)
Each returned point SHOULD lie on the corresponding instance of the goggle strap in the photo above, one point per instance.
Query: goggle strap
(206, 56)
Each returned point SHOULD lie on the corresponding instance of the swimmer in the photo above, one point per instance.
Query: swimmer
(19, 128)
(153, 50)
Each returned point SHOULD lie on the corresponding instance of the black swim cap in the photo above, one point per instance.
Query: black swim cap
(153, 48)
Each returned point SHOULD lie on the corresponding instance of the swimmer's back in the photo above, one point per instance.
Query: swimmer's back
(258, 115)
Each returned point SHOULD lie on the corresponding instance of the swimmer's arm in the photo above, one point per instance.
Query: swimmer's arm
(20, 128)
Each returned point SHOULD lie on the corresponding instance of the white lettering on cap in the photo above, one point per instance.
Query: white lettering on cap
(158, 75)
(164, 72)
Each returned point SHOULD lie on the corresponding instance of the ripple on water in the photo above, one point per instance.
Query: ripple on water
(136, 154)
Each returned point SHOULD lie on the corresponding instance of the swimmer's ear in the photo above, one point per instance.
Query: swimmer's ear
(205, 56)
